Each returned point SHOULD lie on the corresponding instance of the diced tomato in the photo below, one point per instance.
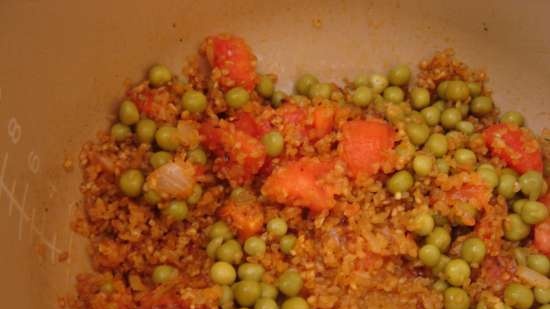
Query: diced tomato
(154, 103)
(246, 217)
(323, 121)
(515, 146)
(366, 144)
(245, 122)
(300, 183)
(541, 239)
(239, 155)
(234, 60)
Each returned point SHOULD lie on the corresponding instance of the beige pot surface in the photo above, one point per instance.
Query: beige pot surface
(63, 66)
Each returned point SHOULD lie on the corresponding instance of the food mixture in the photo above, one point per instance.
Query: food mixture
(215, 189)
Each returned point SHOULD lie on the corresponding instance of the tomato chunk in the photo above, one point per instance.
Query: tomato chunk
(245, 122)
(541, 240)
(515, 146)
(366, 144)
(301, 183)
(323, 121)
(233, 59)
(239, 155)
(246, 217)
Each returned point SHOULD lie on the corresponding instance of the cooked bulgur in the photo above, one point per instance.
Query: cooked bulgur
(370, 195)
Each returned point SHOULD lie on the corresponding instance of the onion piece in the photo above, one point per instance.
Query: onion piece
(174, 179)
(532, 277)
(188, 134)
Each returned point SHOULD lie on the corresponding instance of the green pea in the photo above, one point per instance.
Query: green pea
(277, 227)
(164, 273)
(456, 298)
(295, 303)
(394, 94)
(512, 118)
(489, 176)
(220, 229)
(152, 197)
(401, 181)
(508, 171)
(539, 263)
(223, 273)
(230, 252)
(194, 101)
(195, 196)
(251, 271)
(520, 254)
(518, 205)
(514, 228)
(269, 290)
(120, 132)
(128, 113)
(465, 157)
(254, 246)
(361, 80)
(197, 156)
(518, 296)
(160, 158)
(130, 182)
(423, 224)
(265, 86)
(481, 106)
(237, 97)
(420, 98)
(442, 166)
(290, 283)
(429, 255)
(107, 287)
(227, 296)
(277, 98)
(440, 238)
(399, 75)
(457, 272)
(475, 89)
(266, 303)
(450, 117)
(465, 127)
(473, 250)
(159, 75)
(362, 96)
(533, 212)
(377, 83)
(422, 164)
(437, 144)
(542, 295)
(145, 130)
(440, 285)
(304, 83)
(247, 292)
(213, 246)
(287, 243)
(531, 184)
(167, 138)
(320, 90)
(440, 105)
(176, 210)
(507, 186)
(442, 89)
(418, 133)
(464, 109)
(468, 211)
(457, 90)
(274, 143)
(440, 267)
(431, 115)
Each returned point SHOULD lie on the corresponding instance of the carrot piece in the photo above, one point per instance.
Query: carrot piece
(233, 59)
(515, 146)
(365, 145)
(300, 183)
(247, 217)
(323, 121)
